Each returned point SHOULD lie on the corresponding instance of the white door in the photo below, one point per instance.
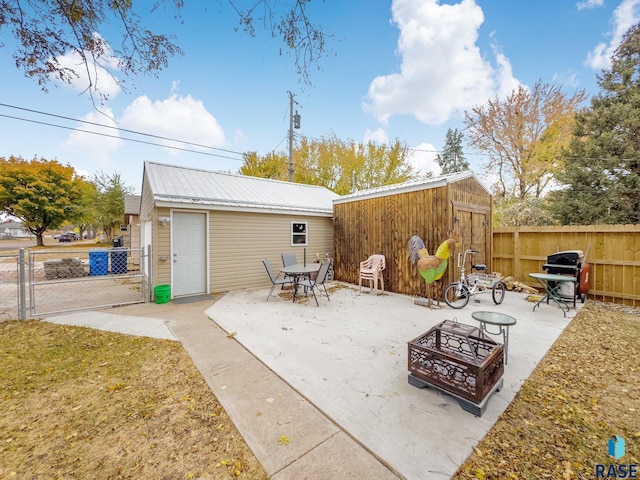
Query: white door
(189, 253)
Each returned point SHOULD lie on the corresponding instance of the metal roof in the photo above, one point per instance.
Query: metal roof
(410, 186)
(132, 204)
(195, 188)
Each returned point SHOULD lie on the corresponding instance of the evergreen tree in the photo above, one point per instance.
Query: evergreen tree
(602, 163)
(452, 159)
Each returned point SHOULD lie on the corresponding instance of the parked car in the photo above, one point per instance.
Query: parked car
(66, 237)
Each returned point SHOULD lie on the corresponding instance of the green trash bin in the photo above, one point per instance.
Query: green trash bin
(162, 293)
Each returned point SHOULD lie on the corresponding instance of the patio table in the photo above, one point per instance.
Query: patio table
(298, 271)
(552, 284)
(502, 321)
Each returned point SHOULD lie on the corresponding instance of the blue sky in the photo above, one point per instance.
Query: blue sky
(398, 69)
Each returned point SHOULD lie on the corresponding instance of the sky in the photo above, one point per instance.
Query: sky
(402, 70)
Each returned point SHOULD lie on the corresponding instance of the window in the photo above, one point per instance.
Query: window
(299, 233)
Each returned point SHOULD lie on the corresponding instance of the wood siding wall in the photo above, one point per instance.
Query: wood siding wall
(613, 251)
(384, 225)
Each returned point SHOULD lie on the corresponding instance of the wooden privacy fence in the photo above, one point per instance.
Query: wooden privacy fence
(613, 251)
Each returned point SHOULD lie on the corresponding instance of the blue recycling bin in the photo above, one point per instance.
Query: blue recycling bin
(118, 260)
(98, 262)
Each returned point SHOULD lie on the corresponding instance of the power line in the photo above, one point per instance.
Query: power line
(100, 134)
(159, 137)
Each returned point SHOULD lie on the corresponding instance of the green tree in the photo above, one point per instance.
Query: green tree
(602, 164)
(85, 214)
(452, 159)
(523, 136)
(42, 193)
(109, 202)
(45, 30)
(336, 164)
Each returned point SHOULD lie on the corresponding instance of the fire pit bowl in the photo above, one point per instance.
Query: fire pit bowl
(459, 360)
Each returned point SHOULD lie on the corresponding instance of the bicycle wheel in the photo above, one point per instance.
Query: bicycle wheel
(456, 295)
(498, 292)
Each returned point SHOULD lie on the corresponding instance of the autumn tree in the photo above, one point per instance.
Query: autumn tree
(45, 30)
(518, 212)
(602, 163)
(42, 193)
(523, 135)
(85, 213)
(109, 202)
(452, 159)
(341, 166)
(273, 165)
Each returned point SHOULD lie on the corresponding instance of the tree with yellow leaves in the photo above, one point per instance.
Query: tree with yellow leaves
(42, 193)
(524, 135)
(341, 166)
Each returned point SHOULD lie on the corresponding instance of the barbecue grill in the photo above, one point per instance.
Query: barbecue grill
(571, 263)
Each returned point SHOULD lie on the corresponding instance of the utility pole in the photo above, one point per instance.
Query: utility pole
(294, 121)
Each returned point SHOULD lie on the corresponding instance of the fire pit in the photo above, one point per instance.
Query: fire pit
(459, 360)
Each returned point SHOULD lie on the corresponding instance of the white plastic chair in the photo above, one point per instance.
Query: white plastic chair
(371, 271)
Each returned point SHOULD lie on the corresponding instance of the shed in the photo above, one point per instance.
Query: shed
(209, 231)
(381, 221)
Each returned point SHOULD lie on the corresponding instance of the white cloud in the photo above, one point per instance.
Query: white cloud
(442, 71)
(568, 78)
(177, 117)
(589, 4)
(624, 17)
(100, 144)
(423, 159)
(103, 79)
(378, 136)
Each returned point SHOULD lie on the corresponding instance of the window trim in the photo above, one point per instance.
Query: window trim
(298, 234)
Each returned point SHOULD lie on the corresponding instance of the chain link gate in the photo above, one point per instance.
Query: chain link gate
(69, 280)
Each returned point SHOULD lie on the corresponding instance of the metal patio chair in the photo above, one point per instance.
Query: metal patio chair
(320, 280)
(275, 280)
(288, 258)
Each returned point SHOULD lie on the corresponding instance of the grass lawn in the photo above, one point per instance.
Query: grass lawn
(83, 403)
(585, 390)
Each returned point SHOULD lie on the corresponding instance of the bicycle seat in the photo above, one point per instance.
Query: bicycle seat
(479, 267)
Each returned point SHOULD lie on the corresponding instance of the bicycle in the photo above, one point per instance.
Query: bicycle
(457, 294)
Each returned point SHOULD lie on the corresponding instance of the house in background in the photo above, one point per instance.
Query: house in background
(382, 220)
(130, 230)
(11, 229)
(209, 231)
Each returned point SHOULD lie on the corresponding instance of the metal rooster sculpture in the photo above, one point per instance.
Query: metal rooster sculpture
(431, 267)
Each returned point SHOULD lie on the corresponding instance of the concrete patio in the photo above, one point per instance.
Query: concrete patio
(348, 358)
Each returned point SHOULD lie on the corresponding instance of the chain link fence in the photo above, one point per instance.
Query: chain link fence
(44, 282)
(10, 287)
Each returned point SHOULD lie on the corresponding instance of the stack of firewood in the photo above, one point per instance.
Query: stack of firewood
(514, 286)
